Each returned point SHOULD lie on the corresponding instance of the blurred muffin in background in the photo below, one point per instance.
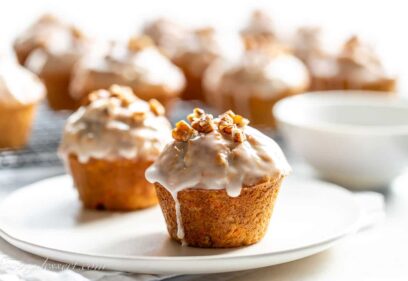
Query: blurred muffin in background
(355, 66)
(167, 35)
(50, 48)
(20, 92)
(252, 85)
(259, 29)
(108, 144)
(200, 48)
(138, 65)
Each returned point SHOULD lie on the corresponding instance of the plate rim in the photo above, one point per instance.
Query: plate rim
(352, 228)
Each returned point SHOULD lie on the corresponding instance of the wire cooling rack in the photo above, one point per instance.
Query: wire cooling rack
(44, 140)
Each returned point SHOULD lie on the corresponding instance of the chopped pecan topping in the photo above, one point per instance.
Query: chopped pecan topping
(197, 113)
(139, 43)
(182, 131)
(232, 124)
(238, 135)
(204, 124)
(220, 159)
(156, 107)
(229, 124)
(139, 116)
(124, 94)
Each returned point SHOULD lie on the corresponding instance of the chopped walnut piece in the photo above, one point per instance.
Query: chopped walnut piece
(197, 113)
(156, 107)
(124, 94)
(220, 159)
(139, 43)
(240, 121)
(138, 117)
(238, 135)
(205, 124)
(182, 131)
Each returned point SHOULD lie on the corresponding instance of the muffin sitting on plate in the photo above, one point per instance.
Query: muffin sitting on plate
(108, 144)
(217, 181)
(252, 84)
(50, 48)
(20, 92)
(355, 67)
(138, 65)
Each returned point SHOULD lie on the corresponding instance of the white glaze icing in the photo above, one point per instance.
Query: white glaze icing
(259, 23)
(53, 44)
(105, 129)
(18, 86)
(358, 63)
(215, 161)
(167, 35)
(255, 74)
(145, 67)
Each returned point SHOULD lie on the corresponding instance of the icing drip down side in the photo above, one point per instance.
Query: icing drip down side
(216, 153)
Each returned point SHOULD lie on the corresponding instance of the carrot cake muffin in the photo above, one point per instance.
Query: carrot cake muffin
(252, 85)
(138, 65)
(107, 145)
(20, 92)
(167, 35)
(217, 181)
(201, 47)
(355, 67)
(50, 48)
(259, 29)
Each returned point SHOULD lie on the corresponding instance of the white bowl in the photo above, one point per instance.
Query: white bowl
(354, 138)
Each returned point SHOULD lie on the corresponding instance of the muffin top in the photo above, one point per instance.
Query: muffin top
(358, 63)
(307, 44)
(52, 44)
(259, 24)
(200, 48)
(116, 124)
(167, 35)
(217, 153)
(257, 73)
(18, 86)
(139, 63)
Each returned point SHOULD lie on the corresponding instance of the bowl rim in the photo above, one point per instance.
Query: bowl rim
(394, 99)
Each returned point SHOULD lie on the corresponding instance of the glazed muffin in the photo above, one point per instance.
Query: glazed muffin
(50, 48)
(108, 144)
(355, 67)
(253, 84)
(20, 93)
(167, 35)
(138, 65)
(218, 180)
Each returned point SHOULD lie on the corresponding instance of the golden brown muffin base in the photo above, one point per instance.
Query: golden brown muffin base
(258, 110)
(212, 219)
(15, 125)
(57, 85)
(118, 185)
(194, 89)
(336, 83)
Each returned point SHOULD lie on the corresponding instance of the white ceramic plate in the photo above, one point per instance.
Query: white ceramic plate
(46, 219)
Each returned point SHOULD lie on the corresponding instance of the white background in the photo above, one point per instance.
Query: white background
(379, 22)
